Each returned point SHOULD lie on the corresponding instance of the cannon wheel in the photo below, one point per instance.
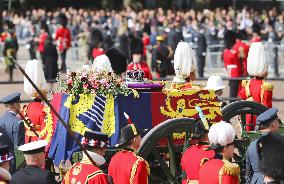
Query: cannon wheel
(237, 112)
(164, 159)
(241, 108)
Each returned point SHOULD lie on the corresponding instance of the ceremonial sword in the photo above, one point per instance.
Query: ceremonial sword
(71, 133)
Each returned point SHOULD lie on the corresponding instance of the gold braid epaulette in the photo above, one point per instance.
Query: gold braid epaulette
(134, 168)
(229, 168)
(246, 84)
(267, 86)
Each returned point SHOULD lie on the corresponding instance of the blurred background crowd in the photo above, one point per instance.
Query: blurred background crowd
(102, 29)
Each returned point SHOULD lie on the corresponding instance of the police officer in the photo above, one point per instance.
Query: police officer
(35, 160)
(126, 167)
(196, 155)
(201, 51)
(12, 125)
(220, 169)
(85, 171)
(268, 122)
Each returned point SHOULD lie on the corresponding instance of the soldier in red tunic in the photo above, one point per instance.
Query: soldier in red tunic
(126, 167)
(196, 155)
(34, 111)
(220, 170)
(242, 50)
(85, 171)
(256, 89)
(137, 47)
(232, 62)
(63, 38)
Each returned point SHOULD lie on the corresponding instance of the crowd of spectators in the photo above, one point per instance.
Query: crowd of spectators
(115, 23)
(119, 26)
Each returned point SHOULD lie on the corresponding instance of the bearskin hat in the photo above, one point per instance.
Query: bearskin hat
(44, 26)
(229, 39)
(270, 149)
(256, 28)
(117, 59)
(62, 19)
(136, 46)
(96, 37)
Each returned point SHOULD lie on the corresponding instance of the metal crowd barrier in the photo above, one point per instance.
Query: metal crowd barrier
(274, 52)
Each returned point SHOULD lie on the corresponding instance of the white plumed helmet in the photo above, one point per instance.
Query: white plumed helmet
(222, 133)
(35, 72)
(102, 64)
(256, 65)
(215, 82)
(184, 62)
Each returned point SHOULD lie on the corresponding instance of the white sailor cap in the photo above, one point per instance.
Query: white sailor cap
(33, 147)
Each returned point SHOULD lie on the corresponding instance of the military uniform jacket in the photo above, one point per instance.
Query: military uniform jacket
(63, 36)
(35, 113)
(127, 168)
(14, 130)
(242, 51)
(85, 172)
(253, 175)
(33, 175)
(217, 171)
(192, 160)
(232, 63)
(257, 90)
